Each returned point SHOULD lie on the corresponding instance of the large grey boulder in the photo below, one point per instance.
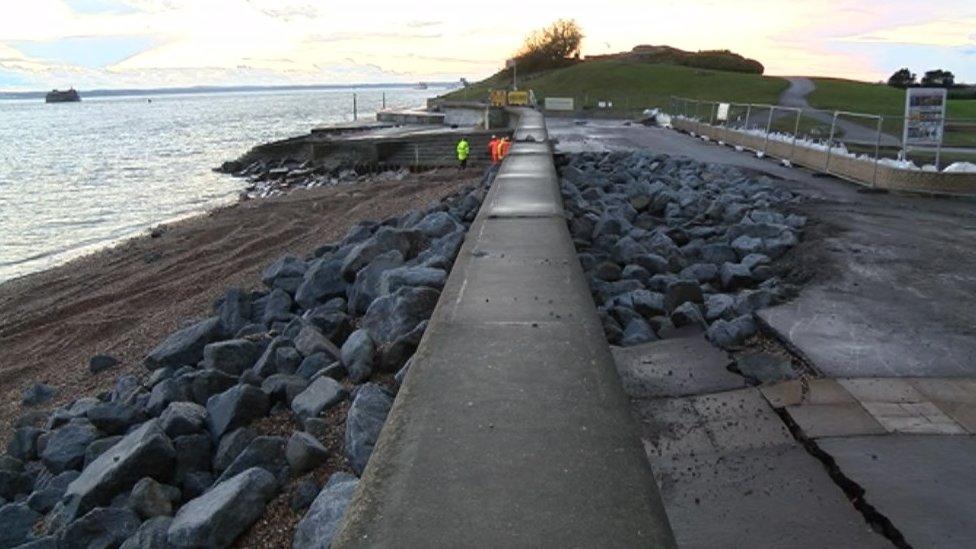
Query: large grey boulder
(276, 307)
(205, 383)
(151, 499)
(65, 448)
(638, 331)
(310, 341)
(405, 241)
(217, 517)
(36, 393)
(145, 452)
(23, 443)
(394, 279)
(324, 516)
(729, 334)
(165, 392)
(194, 453)
(358, 354)
(115, 418)
(231, 357)
(185, 346)
(18, 522)
(304, 452)
(681, 291)
(151, 535)
(286, 273)
(183, 418)
(395, 315)
(364, 422)
(234, 408)
(48, 493)
(366, 287)
(322, 281)
(735, 276)
(283, 387)
(101, 528)
(234, 311)
(231, 445)
(437, 224)
(321, 395)
(267, 452)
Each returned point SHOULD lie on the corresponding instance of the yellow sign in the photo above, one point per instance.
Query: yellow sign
(518, 98)
(498, 98)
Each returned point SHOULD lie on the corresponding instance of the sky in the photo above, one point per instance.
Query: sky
(90, 44)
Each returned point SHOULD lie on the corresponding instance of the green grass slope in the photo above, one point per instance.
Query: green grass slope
(854, 96)
(635, 86)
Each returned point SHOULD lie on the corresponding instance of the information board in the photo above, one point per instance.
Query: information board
(924, 116)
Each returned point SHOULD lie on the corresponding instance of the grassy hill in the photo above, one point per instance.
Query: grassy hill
(634, 85)
(851, 95)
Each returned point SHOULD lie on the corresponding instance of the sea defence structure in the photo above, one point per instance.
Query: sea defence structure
(511, 428)
(863, 171)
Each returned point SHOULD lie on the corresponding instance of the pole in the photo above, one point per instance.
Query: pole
(877, 152)
(830, 141)
(769, 124)
(355, 109)
(796, 131)
(384, 101)
(515, 74)
(748, 113)
(938, 146)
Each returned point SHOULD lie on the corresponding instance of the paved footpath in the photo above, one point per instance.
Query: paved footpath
(869, 445)
(511, 428)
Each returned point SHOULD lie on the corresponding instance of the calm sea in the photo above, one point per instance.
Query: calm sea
(75, 177)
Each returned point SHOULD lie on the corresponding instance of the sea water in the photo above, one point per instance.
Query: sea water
(75, 177)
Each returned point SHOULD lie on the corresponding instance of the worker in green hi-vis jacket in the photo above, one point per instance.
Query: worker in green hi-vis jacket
(463, 150)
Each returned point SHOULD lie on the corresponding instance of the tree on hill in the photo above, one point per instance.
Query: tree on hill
(903, 78)
(938, 78)
(552, 47)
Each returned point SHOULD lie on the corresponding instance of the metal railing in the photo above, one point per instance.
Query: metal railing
(872, 137)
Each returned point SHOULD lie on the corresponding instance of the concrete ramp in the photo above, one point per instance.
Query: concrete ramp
(511, 428)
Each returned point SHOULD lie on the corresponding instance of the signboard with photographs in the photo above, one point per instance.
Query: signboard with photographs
(722, 113)
(924, 116)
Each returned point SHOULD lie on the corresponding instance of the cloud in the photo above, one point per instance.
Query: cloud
(948, 33)
(423, 24)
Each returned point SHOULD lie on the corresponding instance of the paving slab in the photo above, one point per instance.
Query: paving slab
(839, 419)
(681, 366)
(763, 498)
(731, 475)
(913, 417)
(923, 484)
(809, 391)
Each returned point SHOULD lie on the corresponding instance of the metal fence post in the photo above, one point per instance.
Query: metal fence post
(877, 152)
(711, 114)
(938, 146)
(796, 131)
(748, 113)
(355, 110)
(769, 124)
(830, 141)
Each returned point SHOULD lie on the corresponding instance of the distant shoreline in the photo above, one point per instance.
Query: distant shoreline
(219, 89)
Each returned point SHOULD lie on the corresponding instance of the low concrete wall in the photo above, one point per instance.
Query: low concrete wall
(860, 171)
(511, 428)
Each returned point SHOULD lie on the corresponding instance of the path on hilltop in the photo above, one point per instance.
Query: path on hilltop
(796, 95)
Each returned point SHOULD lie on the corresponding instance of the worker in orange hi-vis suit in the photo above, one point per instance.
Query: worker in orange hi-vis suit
(493, 149)
(503, 147)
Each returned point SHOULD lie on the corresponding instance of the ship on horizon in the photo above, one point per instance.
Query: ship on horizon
(58, 96)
